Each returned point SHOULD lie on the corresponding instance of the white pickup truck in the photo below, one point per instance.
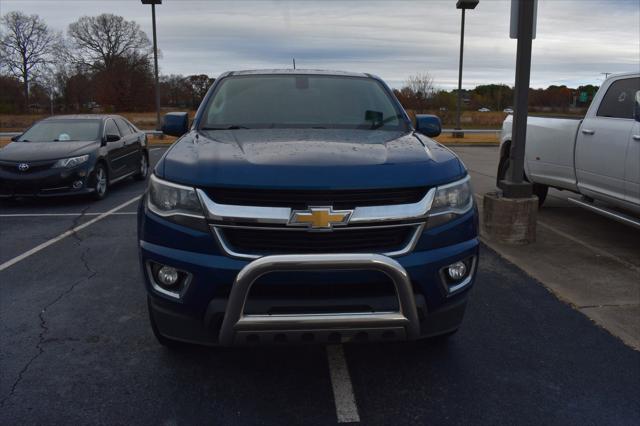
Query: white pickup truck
(597, 157)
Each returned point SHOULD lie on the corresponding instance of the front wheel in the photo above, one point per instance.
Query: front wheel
(538, 189)
(143, 168)
(164, 341)
(100, 182)
(438, 340)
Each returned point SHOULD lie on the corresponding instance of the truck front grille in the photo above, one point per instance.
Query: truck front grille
(261, 242)
(301, 199)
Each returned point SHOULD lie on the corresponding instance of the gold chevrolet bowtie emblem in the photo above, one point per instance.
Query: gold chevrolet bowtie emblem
(320, 217)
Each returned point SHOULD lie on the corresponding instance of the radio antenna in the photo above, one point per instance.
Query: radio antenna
(294, 63)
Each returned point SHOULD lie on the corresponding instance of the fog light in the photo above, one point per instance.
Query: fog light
(77, 184)
(168, 276)
(457, 271)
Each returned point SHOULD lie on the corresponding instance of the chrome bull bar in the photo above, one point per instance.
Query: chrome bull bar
(236, 323)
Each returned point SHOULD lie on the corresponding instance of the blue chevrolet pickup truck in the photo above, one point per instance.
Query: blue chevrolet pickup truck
(304, 206)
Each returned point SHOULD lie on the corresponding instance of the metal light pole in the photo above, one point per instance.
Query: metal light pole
(514, 185)
(464, 5)
(509, 216)
(155, 57)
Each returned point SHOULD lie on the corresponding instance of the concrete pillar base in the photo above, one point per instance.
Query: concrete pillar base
(509, 220)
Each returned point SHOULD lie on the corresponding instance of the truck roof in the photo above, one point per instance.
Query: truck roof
(296, 72)
(82, 117)
(624, 74)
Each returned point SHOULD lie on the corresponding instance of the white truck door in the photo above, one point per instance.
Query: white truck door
(603, 141)
(632, 168)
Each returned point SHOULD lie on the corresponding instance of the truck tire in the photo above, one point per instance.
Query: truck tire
(438, 340)
(443, 338)
(538, 189)
(173, 345)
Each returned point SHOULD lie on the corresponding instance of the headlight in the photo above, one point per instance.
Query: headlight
(177, 203)
(450, 201)
(71, 162)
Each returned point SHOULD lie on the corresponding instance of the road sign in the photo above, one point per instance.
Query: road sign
(584, 97)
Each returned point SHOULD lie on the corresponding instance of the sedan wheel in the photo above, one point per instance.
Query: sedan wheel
(101, 183)
(143, 169)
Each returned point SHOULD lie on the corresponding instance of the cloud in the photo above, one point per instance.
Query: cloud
(576, 40)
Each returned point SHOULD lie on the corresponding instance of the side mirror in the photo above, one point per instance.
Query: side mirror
(636, 106)
(428, 125)
(15, 138)
(175, 123)
(112, 138)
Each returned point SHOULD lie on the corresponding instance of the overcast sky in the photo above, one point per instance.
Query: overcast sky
(576, 40)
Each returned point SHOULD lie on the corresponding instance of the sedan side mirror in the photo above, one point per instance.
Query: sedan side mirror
(636, 106)
(175, 123)
(112, 138)
(428, 125)
(15, 138)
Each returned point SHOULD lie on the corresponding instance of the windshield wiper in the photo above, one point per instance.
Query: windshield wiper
(230, 127)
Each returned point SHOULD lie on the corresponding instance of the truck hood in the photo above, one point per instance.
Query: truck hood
(39, 151)
(308, 159)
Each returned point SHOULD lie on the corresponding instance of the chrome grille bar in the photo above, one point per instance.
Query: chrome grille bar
(280, 215)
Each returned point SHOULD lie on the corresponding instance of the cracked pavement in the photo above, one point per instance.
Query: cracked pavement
(76, 348)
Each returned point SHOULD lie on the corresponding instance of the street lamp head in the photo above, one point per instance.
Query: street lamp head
(467, 4)
(151, 1)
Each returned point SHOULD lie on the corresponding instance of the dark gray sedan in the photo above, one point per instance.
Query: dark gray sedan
(73, 154)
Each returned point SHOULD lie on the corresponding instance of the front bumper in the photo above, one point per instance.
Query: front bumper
(211, 310)
(45, 183)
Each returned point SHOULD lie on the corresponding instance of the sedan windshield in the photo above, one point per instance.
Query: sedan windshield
(301, 101)
(62, 130)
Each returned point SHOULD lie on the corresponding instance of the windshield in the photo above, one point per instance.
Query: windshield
(301, 101)
(62, 130)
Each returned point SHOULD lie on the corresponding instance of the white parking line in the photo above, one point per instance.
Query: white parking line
(62, 214)
(597, 250)
(345, 400)
(64, 235)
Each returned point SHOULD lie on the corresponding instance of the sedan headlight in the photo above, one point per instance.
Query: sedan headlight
(71, 162)
(177, 203)
(450, 201)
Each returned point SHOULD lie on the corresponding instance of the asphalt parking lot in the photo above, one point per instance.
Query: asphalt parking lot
(587, 260)
(76, 347)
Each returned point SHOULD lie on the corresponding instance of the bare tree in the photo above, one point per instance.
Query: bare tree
(27, 47)
(102, 41)
(421, 85)
(199, 85)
